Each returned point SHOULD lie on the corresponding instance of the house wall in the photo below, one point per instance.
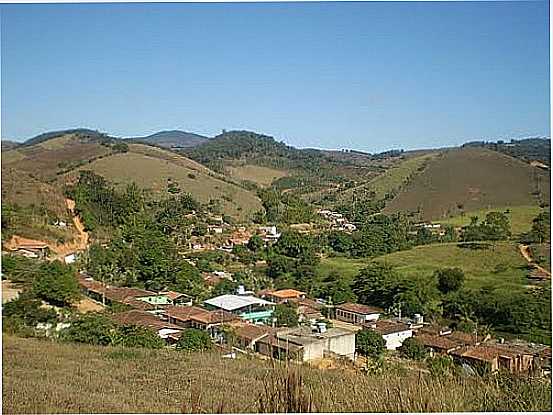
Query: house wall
(355, 318)
(342, 345)
(395, 340)
(313, 351)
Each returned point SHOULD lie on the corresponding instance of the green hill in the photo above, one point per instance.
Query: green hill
(57, 159)
(468, 179)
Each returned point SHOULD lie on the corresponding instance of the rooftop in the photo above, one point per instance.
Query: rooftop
(305, 335)
(231, 302)
(388, 326)
(288, 293)
(359, 308)
(144, 319)
(19, 242)
(437, 341)
(250, 331)
(193, 313)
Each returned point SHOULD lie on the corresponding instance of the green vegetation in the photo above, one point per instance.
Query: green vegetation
(450, 279)
(520, 217)
(369, 343)
(286, 316)
(412, 348)
(194, 340)
(55, 282)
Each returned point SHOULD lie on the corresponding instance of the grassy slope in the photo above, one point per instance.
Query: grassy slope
(260, 175)
(45, 377)
(520, 216)
(476, 178)
(478, 265)
(150, 168)
(43, 160)
(18, 188)
(392, 178)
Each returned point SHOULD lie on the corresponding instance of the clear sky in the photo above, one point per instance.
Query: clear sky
(370, 76)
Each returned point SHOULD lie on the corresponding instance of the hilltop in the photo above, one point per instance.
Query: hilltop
(172, 139)
(9, 145)
(468, 179)
(55, 159)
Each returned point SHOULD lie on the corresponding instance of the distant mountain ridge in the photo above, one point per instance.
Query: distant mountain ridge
(173, 139)
(89, 133)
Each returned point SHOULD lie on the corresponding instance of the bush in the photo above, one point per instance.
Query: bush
(194, 340)
(450, 279)
(369, 343)
(92, 328)
(56, 283)
(412, 349)
(28, 311)
(286, 316)
(136, 336)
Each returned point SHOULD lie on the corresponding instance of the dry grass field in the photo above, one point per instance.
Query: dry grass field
(153, 173)
(260, 175)
(44, 377)
(44, 160)
(473, 178)
(393, 178)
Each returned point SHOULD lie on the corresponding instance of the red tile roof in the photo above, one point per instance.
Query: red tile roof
(387, 326)
(359, 308)
(437, 342)
(201, 315)
(19, 242)
(250, 332)
(144, 319)
(288, 293)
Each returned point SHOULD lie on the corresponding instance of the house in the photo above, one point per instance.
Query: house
(437, 344)
(198, 317)
(26, 247)
(306, 343)
(308, 309)
(247, 334)
(356, 313)
(108, 294)
(247, 307)
(283, 296)
(144, 319)
(268, 233)
(493, 358)
(215, 229)
(60, 224)
(393, 332)
(177, 298)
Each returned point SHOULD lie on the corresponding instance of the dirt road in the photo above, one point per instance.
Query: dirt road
(525, 252)
(80, 243)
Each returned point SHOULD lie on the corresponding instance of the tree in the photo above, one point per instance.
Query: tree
(56, 283)
(136, 336)
(286, 316)
(28, 310)
(450, 279)
(91, 328)
(369, 343)
(225, 286)
(194, 340)
(413, 349)
(255, 243)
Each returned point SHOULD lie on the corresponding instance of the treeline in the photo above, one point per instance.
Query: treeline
(526, 149)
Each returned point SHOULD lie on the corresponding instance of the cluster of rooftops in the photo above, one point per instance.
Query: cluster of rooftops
(251, 319)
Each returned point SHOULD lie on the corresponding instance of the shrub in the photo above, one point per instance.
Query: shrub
(92, 328)
(56, 283)
(28, 311)
(450, 279)
(136, 336)
(286, 316)
(413, 349)
(193, 340)
(369, 343)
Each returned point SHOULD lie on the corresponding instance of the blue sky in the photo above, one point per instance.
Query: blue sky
(370, 76)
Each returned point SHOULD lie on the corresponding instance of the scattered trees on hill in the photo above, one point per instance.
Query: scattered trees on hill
(496, 226)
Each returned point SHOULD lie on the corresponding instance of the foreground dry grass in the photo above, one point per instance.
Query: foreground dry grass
(44, 377)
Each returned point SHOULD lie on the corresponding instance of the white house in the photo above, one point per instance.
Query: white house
(69, 259)
(393, 332)
(357, 313)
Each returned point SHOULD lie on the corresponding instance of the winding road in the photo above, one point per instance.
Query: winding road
(525, 251)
